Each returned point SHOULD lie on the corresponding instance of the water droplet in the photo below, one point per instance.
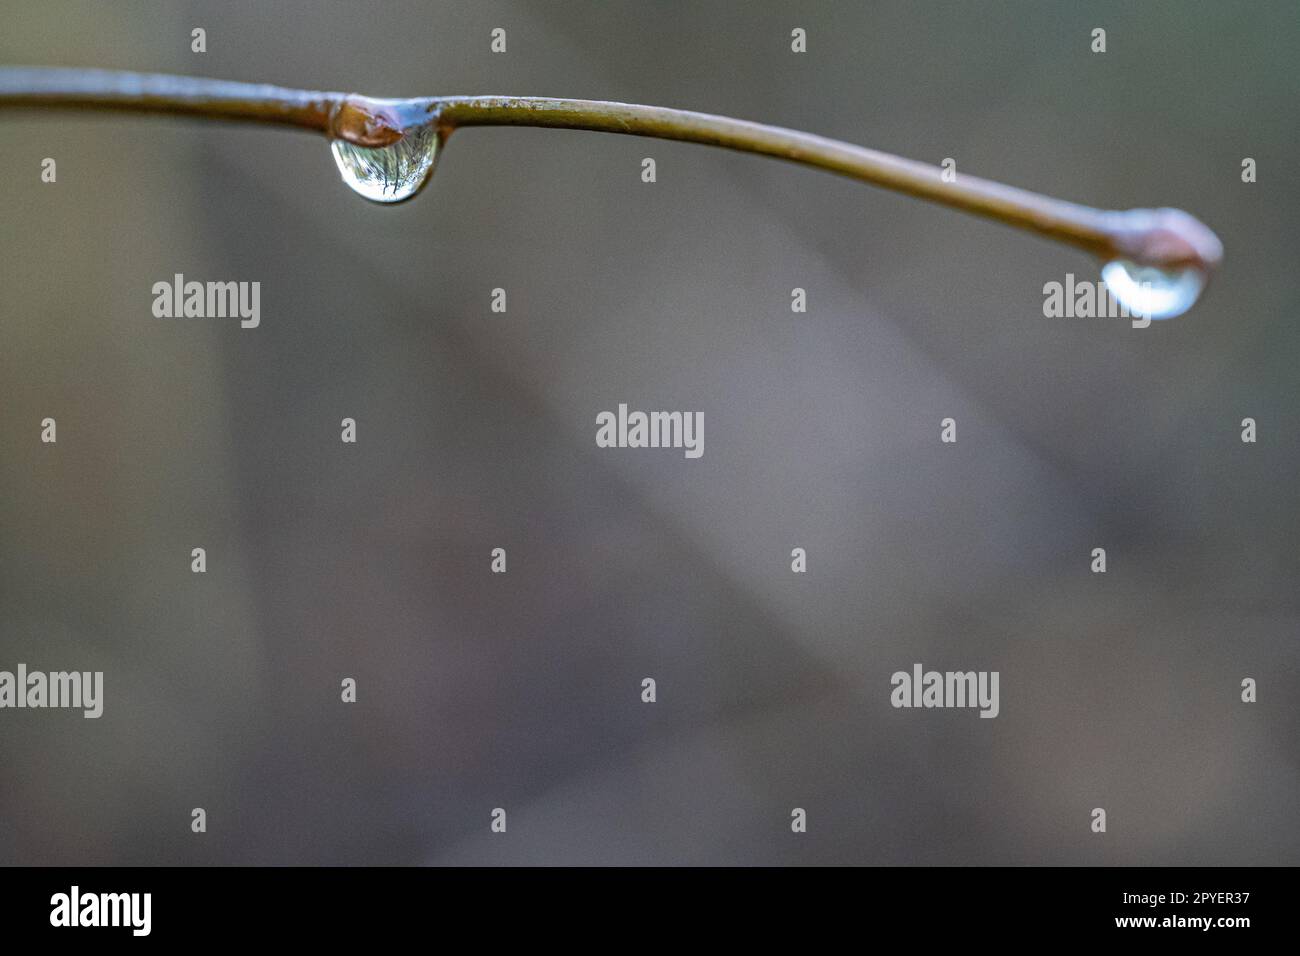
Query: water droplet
(389, 173)
(1155, 293)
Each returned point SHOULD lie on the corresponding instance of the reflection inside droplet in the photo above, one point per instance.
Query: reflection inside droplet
(1151, 292)
(389, 173)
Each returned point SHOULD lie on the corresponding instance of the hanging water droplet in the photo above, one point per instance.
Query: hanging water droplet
(1152, 292)
(389, 173)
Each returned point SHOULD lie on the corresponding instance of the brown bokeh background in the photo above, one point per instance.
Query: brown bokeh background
(476, 430)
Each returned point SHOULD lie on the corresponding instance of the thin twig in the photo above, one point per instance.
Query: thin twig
(1167, 238)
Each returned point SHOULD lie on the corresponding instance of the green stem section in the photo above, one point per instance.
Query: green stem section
(1166, 238)
(1079, 225)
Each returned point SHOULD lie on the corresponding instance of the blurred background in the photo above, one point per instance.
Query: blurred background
(476, 431)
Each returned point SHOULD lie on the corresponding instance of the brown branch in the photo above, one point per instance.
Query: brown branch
(1166, 238)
